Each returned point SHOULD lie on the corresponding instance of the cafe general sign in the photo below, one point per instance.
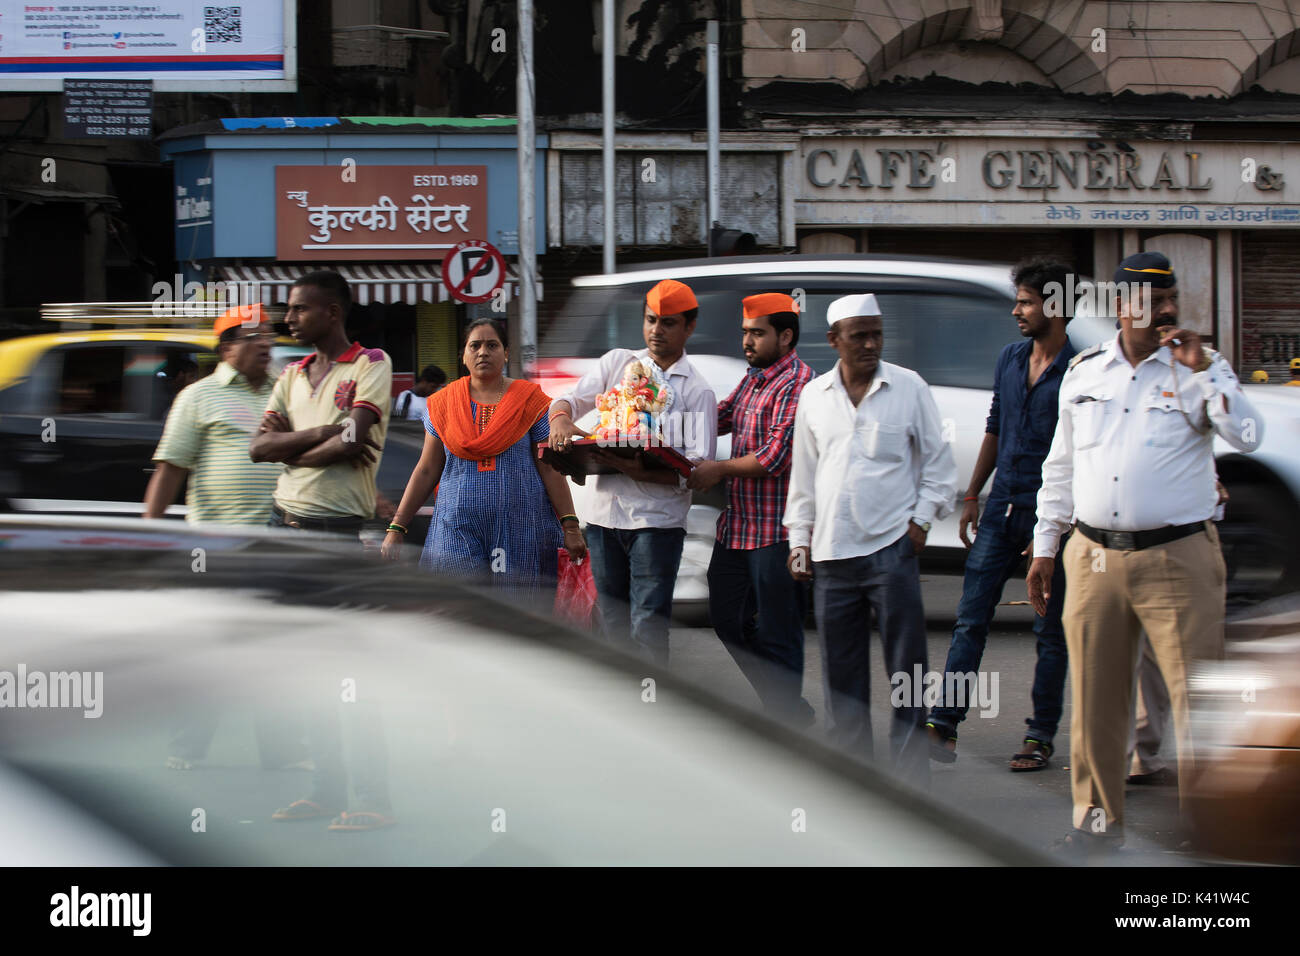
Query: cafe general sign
(377, 212)
(1014, 181)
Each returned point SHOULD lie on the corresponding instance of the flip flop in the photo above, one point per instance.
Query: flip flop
(939, 752)
(1040, 757)
(361, 820)
(301, 810)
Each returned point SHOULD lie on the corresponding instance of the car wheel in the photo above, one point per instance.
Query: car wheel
(1258, 539)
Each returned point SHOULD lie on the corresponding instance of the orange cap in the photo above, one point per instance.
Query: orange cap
(249, 316)
(767, 303)
(671, 297)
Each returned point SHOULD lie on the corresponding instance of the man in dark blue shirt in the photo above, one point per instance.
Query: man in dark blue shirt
(1022, 420)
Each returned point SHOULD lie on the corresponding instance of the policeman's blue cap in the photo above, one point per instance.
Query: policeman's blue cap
(1150, 267)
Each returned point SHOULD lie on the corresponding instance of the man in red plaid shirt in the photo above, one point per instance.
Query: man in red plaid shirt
(747, 575)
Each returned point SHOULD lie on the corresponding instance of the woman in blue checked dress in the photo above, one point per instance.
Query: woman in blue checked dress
(500, 514)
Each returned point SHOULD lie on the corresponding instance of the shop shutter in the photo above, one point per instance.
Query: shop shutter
(1270, 302)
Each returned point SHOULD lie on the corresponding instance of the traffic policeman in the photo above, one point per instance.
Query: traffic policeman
(1132, 466)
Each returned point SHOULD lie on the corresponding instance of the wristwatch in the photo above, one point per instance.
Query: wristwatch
(923, 525)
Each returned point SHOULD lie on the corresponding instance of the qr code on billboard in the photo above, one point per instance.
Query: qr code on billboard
(222, 24)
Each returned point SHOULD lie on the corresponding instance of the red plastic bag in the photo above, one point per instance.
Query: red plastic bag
(575, 592)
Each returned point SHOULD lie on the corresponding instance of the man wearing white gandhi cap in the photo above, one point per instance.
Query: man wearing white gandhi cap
(869, 472)
(847, 306)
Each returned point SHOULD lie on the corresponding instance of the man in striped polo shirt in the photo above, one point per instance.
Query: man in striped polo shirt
(206, 438)
(208, 429)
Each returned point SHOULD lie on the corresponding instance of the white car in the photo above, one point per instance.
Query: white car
(946, 319)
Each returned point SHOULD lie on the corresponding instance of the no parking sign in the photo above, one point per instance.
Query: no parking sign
(473, 270)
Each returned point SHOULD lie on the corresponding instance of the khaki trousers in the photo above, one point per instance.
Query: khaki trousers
(1176, 593)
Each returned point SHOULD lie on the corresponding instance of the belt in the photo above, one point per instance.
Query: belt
(1138, 540)
(341, 525)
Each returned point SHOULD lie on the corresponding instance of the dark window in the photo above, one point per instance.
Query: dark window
(93, 380)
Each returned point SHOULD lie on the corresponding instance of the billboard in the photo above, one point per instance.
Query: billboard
(377, 212)
(181, 45)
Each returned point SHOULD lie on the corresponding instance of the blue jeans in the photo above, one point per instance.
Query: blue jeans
(994, 556)
(845, 593)
(635, 572)
(757, 611)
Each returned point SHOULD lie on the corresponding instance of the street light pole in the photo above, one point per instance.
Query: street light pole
(527, 194)
(714, 122)
(607, 134)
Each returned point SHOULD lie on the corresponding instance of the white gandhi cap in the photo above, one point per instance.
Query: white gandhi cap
(848, 306)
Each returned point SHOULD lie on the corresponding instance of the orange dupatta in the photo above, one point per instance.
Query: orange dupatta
(519, 409)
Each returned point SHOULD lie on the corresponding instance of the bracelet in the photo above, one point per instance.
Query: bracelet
(972, 498)
(394, 526)
(564, 518)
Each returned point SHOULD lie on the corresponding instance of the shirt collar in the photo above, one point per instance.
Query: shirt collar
(1062, 361)
(775, 369)
(680, 367)
(1068, 351)
(882, 377)
(1115, 353)
(350, 355)
(226, 374)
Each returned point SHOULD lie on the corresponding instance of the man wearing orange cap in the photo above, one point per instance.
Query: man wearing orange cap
(637, 519)
(206, 438)
(208, 429)
(756, 608)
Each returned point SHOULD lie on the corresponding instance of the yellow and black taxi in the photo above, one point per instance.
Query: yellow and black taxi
(82, 410)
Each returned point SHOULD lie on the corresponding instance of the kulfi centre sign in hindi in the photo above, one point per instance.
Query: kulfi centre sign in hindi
(377, 212)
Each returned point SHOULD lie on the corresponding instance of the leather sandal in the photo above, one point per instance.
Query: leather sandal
(1040, 757)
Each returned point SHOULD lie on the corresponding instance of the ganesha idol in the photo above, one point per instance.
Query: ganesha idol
(630, 412)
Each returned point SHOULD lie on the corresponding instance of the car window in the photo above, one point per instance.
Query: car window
(948, 339)
(129, 379)
(950, 336)
(168, 368)
(93, 380)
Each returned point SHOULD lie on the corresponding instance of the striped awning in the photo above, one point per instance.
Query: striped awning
(409, 282)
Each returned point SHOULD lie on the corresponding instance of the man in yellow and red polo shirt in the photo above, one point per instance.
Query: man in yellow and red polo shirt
(328, 416)
(327, 420)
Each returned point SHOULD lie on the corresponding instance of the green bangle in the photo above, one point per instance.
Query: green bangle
(394, 526)
(564, 518)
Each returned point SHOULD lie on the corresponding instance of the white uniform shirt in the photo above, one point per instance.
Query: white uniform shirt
(858, 475)
(619, 502)
(1124, 458)
(410, 406)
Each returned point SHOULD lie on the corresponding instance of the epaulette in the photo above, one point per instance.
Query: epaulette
(1084, 356)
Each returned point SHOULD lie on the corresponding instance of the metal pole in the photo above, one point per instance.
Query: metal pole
(607, 135)
(527, 194)
(714, 121)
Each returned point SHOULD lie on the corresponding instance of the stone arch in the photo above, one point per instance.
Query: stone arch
(975, 61)
(1283, 48)
(1059, 46)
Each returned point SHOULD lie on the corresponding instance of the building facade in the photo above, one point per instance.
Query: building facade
(990, 130)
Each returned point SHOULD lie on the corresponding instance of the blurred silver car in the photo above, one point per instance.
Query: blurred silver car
(511, 739)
